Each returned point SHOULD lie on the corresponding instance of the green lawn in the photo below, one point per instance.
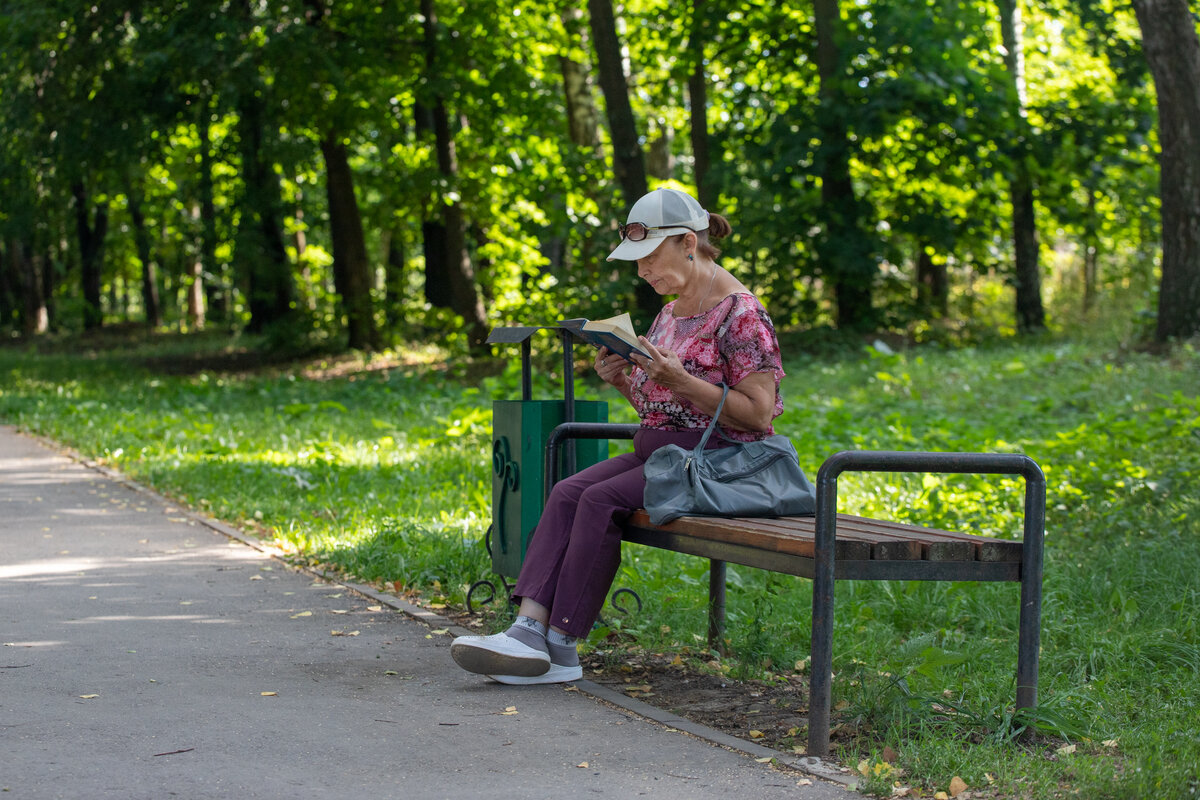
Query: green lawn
(383, 470)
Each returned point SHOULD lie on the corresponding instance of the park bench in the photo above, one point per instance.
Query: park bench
(831, 546)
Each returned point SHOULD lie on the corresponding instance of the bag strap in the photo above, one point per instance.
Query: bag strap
(712, 425)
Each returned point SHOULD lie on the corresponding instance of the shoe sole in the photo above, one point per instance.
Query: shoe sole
(482, 661)
(556, 674)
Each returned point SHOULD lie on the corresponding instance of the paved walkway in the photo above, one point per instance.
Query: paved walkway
(147, 655)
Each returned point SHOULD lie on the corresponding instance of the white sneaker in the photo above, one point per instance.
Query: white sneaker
(556, 674)
(499, 653)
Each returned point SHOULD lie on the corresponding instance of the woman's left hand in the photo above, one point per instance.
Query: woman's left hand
(664, 368)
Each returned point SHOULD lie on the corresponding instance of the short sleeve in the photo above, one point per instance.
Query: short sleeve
(748, 343)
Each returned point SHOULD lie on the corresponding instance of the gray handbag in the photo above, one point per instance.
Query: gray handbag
(747, 479)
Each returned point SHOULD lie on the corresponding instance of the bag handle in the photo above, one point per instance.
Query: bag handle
(712, 425)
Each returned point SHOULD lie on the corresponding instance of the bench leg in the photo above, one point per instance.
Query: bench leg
(1029, 634)
(716, 605)
(821, 666)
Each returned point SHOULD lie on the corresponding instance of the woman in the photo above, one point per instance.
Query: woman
(714, 331)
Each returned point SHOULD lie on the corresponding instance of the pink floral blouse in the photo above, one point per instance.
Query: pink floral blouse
(726, 343)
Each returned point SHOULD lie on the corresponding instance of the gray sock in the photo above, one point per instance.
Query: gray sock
(529, 631)
(562, 649)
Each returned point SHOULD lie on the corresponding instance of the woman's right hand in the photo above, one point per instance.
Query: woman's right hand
(611, 368)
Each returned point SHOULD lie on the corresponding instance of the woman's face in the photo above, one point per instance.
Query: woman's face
(667, 268)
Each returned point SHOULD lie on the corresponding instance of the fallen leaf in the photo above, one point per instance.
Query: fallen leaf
(842, 705)
(889, 754)
(374, 608)
(582, 765)
(941, 796)
(302, 614)
(508, 712)
(1110, 742)
(1066, 750)
(757, 735)
(804, 782)
(89, 696)
(257, 578)
(799, 750)
(864, 768)
(338, 611)
(343, 633)
(390, 672)
(440, 631)
(957, 786)
(268, 694)
(765, 760)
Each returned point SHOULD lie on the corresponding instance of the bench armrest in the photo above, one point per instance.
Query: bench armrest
(823, 576)
(971, 463)
(579, 430)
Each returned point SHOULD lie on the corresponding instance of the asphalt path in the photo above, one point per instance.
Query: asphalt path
(149, 652)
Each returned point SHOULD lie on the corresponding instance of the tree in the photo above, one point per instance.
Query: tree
(449, 276)
(843, 246)
(1027, 273)
(629, 162)
(1172, 49)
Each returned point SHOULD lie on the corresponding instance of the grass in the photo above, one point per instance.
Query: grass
(381, 468)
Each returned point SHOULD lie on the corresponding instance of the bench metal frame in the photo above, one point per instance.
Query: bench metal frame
(824, 569)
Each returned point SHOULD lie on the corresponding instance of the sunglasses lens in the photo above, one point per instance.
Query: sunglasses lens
(634, 232)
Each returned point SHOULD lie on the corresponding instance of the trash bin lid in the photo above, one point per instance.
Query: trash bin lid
(513, 334)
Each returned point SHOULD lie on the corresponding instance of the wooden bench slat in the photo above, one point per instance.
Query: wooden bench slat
(857, 538)
(986, 548)
(750, 532)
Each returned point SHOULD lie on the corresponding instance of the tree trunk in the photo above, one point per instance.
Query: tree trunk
(91, 230)
(698, 121)
(261, 252)
(26, 279)
(395, 278)
(1172, 49)
(933, 285)
(9, 315)
(583, 118)
(456, 264)
(1027, 277)
(628, 160)
(660, 162)
(215, 292)
(141, 238)
(1091, 251)
(843, 248)
(433, 229)
(351, 269)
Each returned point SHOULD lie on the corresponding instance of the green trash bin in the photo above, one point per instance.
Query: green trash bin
(520, 429)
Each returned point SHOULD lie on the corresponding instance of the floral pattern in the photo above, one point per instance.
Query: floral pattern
(726, 343)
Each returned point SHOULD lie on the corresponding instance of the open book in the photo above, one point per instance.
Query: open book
(615, 333)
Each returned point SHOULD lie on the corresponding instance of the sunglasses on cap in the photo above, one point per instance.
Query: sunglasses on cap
(637, 231)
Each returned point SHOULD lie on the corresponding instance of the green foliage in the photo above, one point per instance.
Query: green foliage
(379, 467)
(154, 99)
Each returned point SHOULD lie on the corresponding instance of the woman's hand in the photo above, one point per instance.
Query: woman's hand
(611, 368)
(664, 366)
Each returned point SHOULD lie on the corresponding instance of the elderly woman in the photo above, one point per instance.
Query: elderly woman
(714, 331)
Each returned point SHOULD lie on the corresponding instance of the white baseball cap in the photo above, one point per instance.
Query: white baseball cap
(663, 212)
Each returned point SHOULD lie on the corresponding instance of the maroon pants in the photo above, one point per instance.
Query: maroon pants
(576, 547)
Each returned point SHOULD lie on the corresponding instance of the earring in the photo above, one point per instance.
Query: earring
(691, 257)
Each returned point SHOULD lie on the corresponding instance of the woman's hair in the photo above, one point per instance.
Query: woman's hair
(718, 228)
